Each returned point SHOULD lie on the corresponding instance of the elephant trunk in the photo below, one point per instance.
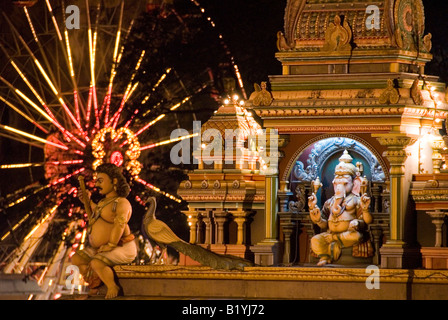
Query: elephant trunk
(339, 196)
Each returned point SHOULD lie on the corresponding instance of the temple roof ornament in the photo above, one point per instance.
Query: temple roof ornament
(390, 95)
(401, 24)
(338, 36)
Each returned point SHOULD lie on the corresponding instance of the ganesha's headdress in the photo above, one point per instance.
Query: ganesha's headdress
(345, 165)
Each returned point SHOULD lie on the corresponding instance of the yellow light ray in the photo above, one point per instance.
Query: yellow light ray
(23, 114)
(69, 54)
(15, 227)
(26, 197)
(42, 70)
(31, 24)
(106, 102)
(18, 165)
(54, 20)
(90, 40)
(68, 58)
(31, 136)
(27, 165)
(160, 117)
(72, 76)
(161, 143)
(43, 220)
(156, 189)
(177, 105)
(146, 98)
(61, 128)
(35, 106)
(129, 89)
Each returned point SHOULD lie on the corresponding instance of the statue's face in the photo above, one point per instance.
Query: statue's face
(342, 185)
(104, 183)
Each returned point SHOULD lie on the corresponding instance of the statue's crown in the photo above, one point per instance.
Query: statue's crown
(345, 165)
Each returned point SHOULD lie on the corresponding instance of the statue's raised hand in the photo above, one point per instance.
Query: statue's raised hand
(365, 202)
(81, 195)
(314, 210)
(312, 201)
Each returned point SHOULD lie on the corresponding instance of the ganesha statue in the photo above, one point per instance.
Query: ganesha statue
(345, 217)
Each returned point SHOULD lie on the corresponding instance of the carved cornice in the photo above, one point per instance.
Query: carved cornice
(347, 128)
(227, 198)
(430, 196)
(395, 140)
(328, 108)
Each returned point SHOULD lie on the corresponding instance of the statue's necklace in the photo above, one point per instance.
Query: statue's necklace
(98, 210)
(102, 205)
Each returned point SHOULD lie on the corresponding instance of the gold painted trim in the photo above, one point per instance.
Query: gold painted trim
(281, 274)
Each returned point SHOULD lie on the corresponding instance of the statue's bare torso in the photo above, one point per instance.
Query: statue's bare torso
(102, 227)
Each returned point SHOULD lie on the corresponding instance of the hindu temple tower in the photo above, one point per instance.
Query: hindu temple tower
(353, 78)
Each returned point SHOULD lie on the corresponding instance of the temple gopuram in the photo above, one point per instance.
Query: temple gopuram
(353, 104)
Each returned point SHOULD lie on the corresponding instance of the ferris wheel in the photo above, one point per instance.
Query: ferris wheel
(95, 82)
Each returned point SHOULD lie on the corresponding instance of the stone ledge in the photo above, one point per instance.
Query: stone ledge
(334, 282)
(335, 273)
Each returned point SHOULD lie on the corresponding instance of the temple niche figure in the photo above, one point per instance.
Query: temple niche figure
(344, 217)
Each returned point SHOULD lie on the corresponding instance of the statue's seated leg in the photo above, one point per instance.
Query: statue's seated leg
(346, 239)
(321, 248)
(331, 252)
(349, 238)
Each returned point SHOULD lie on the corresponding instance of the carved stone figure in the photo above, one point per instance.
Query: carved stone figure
(300, 173)
(416, 93)
(390, 95)
(110, 239)
(344, 217)
(282, 43)
(299, 205)
(261, 96)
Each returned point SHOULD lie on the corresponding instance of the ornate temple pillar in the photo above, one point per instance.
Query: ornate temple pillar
(395, 253)
(437, 217)
(266, 252)
(240, 219)
(192, 218)
(286, 223)
(220, 219)
(436, 257)
(271, 208)
(208, 227)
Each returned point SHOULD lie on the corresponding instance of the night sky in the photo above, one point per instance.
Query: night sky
(250, 28)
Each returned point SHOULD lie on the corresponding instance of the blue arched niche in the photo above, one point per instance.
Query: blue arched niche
(320, 158)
